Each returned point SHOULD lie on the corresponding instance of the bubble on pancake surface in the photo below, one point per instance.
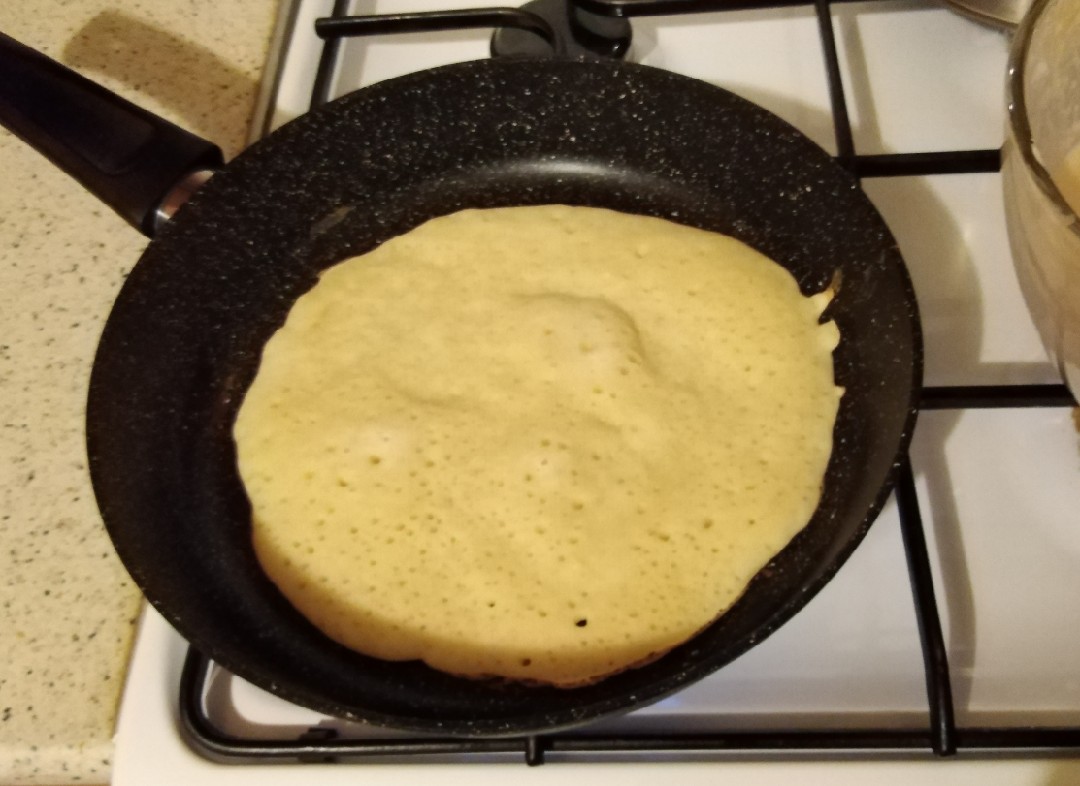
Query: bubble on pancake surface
(506, 428)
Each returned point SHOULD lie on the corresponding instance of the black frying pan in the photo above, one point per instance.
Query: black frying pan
(184, 338)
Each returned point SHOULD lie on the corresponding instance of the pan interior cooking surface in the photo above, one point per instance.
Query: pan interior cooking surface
(184, 340)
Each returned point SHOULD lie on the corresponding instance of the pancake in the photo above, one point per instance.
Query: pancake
(537, 443)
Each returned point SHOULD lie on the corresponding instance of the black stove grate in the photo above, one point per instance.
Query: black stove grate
(940, 737)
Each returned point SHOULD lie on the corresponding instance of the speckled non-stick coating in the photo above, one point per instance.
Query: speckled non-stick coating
(184, 340)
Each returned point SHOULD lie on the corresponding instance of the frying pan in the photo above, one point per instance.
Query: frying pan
(184, 338)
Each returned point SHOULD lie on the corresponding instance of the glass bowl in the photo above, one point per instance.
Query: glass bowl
(1041, 175)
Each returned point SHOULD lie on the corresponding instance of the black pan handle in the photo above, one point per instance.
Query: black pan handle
(127, 157)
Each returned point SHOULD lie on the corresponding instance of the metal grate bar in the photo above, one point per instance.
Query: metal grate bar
(935, 658)
(321, 745)
(913, 164)
(632, 8)
(845, 144)
(328, 58)
(996, 397)
(336, 26)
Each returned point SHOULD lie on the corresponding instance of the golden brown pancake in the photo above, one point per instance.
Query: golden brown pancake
(539, 443)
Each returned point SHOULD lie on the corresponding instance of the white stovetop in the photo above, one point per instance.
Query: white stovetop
(999, 489)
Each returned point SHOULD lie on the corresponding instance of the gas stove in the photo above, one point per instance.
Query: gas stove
(947, 646)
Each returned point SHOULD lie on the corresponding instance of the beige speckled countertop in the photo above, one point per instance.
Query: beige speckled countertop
(67, 607)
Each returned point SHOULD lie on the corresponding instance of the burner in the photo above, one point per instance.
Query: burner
(577, 32)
